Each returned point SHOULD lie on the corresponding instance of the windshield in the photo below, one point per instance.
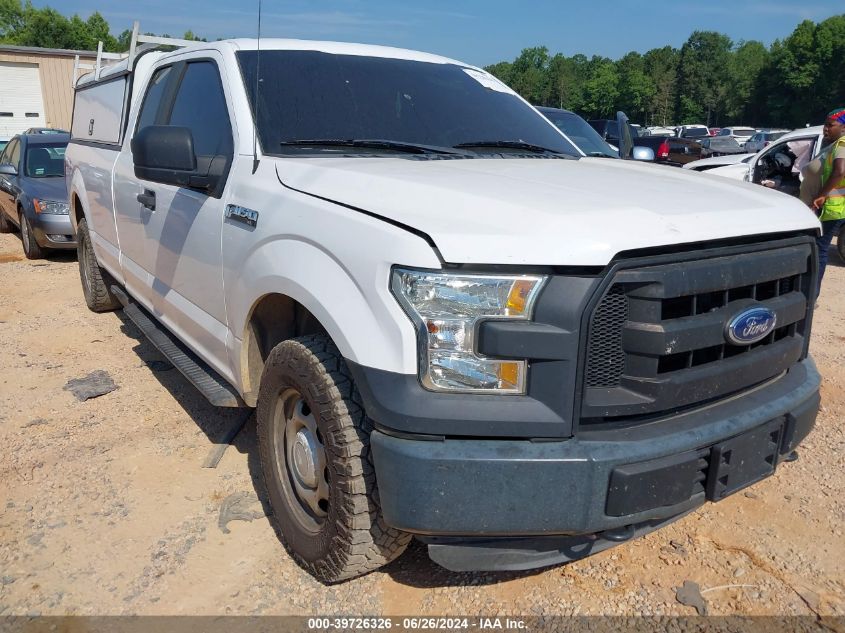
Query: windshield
(579, 132)
(311, 95)
(44, 161)
(724, 142)
(696, 132)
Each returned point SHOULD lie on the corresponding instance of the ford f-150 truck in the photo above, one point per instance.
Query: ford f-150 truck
(452, 324)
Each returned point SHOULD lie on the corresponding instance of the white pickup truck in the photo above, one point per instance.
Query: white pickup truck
(452, 323)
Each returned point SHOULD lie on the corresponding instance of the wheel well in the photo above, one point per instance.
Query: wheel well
(78, 212)
(274, 318)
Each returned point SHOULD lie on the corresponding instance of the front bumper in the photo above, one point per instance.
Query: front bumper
(469, 488)
(53, 231)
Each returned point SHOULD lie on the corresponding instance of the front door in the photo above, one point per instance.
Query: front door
(170, 236)
(8, 184)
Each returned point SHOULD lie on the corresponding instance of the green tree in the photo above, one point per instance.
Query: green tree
(746, 64)
(661, 65)
(529, 76)
(703, 77)
(636, 87)
(501, 70)
(601, 91)
(11, 19)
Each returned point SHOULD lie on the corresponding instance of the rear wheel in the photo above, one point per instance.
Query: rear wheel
(95, 280)
(30, 247)
(314, 442)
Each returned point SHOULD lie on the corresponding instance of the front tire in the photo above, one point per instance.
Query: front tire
(314, 443)
(30, 247)
(95, 280)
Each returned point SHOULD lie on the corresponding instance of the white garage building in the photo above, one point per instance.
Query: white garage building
(36, 87)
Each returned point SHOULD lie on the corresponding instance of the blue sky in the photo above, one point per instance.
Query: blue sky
(479, 32)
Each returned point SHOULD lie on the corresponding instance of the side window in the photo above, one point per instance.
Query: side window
(200, 105)
(7, 152)
(152, 100)
(13, 155)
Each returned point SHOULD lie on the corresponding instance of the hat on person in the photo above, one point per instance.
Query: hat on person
(837, 115)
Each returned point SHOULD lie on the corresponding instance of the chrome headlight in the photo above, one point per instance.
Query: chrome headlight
(51, 207)
(446, 308)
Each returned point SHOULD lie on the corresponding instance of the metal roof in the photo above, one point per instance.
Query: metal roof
(37, 50)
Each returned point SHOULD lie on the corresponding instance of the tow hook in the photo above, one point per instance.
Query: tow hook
(619, 535)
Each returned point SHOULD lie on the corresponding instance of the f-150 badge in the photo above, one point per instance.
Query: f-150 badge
(241, 214)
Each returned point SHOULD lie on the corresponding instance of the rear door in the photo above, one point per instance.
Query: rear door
(172, 248)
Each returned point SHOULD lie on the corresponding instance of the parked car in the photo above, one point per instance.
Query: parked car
(763, 139)
(741, 134)
(607, 129)
(670, 150)
(579, 132)
(661, 131)
(33, 193)
(452, 324)
(719, 146)
(45, 130)
(694, 132)
(714, 131)
(777, 165)
(706, 164)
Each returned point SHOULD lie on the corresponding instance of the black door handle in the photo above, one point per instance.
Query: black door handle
(148, 199)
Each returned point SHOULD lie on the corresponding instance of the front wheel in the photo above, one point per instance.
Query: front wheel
(30, 247)
(314, 442)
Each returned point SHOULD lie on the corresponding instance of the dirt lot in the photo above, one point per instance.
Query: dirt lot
(105, 508)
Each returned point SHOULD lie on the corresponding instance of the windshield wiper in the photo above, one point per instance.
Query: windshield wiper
(600, 155)
(371, 143)
(529, 147)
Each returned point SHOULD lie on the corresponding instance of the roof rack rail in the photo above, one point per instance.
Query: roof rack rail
(138, 44)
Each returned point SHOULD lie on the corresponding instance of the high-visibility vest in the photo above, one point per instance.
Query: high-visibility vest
(834, 205)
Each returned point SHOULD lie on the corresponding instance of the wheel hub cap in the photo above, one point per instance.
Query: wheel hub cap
(301, 457)
(305, 458)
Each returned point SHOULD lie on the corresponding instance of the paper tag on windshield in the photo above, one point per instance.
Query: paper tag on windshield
(488, 81)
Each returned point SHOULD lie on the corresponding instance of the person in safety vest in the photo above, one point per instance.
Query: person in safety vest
(829, 204)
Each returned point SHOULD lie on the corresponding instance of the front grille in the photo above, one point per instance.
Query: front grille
(607, 359)
(656, 340)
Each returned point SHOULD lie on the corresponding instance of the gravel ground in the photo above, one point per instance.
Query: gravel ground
(105, 508)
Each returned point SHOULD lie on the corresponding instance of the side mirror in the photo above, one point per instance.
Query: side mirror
(643, 153)
(164, 153)
(8, 170)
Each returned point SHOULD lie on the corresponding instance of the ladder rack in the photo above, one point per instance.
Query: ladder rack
(137, 45)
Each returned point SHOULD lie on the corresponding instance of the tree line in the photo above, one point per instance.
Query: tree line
(709, 80)
(22, 24)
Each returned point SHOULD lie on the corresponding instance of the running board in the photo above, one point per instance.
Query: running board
(209, 383)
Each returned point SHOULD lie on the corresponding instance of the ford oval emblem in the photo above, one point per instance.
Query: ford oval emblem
(750, 326)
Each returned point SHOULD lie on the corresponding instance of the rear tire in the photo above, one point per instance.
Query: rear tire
(314, 443)
(30, 247)
(95, 281)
